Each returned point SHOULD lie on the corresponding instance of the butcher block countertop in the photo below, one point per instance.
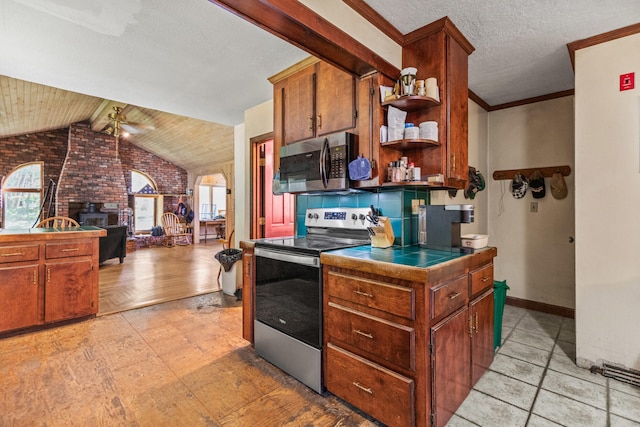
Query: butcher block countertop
(407, 262)
(33, 234)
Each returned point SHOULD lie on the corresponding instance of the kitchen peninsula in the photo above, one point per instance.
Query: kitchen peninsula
(407, 331)
(48, 275)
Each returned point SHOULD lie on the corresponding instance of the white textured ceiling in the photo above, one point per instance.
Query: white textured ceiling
(521, 45)
(192, 58)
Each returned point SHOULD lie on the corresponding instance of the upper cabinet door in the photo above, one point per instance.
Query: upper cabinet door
(335, 100)
(299, 106)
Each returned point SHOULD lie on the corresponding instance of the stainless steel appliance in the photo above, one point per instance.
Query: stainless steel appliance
(319, 164)
(439, 225)
(288, 301)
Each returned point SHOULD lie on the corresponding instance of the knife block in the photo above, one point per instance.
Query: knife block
(383, 237)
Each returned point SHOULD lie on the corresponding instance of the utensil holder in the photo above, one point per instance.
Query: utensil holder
(383, 233)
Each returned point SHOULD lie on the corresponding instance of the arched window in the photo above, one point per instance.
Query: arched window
(145, 193)
(22, 196)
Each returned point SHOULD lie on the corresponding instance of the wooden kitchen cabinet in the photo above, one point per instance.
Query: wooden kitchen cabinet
(248, 289)
(18, 296)
(438, 50)
(312, 99)
(48, 277)
(482, 351)
(426, 334)
(450, 361)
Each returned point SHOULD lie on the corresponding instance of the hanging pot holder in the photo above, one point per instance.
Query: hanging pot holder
(360, 169)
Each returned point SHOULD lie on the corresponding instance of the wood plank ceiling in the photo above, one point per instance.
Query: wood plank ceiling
(195, 145)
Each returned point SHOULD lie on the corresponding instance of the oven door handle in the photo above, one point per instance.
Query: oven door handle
(281, 256)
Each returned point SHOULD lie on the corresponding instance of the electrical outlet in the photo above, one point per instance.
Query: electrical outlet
(414, 205)
(533, 207)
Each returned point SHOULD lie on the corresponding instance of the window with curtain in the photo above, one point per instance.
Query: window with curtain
(22, 196)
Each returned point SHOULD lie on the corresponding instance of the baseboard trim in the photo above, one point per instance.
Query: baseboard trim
(541, 306)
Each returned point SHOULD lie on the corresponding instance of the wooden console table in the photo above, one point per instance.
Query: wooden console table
(218, 225)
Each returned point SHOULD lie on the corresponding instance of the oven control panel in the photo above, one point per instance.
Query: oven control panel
(353, 218)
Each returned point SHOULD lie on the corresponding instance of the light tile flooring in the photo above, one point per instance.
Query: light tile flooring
(534, 381)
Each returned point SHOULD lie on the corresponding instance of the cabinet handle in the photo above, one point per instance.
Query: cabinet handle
(363, 294)
(363, 388)
(471, 326)
(48, 275)
(71, 250)
(319, 121)
(364, 334)
(484, 279)
(476, 323)
(310, 123)
(35, 277)
(454, 295)
(14, 254)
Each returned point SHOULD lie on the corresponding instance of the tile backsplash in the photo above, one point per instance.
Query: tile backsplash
(396, 204)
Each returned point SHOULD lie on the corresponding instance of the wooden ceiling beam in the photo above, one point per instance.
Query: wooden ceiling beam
(295, 23)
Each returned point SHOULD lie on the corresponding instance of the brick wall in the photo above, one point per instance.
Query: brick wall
(91, 172)
(47, 147)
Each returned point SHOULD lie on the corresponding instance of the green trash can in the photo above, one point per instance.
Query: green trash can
(499, 296)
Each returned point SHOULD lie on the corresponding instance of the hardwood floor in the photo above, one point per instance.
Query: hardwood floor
(159, 274)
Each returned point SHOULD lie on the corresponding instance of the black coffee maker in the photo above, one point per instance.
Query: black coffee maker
(439, 225)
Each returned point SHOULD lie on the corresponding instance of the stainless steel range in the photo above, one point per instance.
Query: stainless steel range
(288, 302)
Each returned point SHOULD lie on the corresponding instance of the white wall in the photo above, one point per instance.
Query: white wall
(534, 252)
(607, 124)
(257, 121)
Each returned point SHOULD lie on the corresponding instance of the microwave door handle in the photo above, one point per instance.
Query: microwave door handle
(323, 162)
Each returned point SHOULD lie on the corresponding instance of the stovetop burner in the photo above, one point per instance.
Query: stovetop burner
(327, 229)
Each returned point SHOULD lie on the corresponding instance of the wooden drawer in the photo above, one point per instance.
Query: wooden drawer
(68, 249)
(393, 299)
(381, 393)
(390, 341)
(19, 253)
(449, 296)
(481, 279)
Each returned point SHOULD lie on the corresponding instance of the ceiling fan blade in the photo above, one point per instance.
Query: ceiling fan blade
(136, 128)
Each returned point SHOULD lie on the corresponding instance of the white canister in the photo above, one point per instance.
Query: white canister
(411, 133)
(431, 88)
(429, 130)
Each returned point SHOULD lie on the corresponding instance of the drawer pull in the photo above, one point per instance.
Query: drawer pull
(484, 279)
(364, 334)
(363, 388)
(363, 294)
(454, 295)
(35, 277)
(48, 275)
(14, 254)
(71, 250)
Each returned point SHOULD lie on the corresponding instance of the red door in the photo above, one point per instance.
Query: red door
(278, 210)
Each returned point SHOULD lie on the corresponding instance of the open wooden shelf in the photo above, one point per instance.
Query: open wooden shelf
(412, 103)
(408, 144)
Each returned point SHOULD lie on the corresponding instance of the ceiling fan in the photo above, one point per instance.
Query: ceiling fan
(119, 126)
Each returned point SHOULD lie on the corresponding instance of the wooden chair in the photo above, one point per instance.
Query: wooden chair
(58, 222)
(174, 231)
(226, 243)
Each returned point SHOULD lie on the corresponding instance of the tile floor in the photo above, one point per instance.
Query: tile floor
(534, 381)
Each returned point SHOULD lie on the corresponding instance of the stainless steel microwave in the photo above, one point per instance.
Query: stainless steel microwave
(319, 164)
